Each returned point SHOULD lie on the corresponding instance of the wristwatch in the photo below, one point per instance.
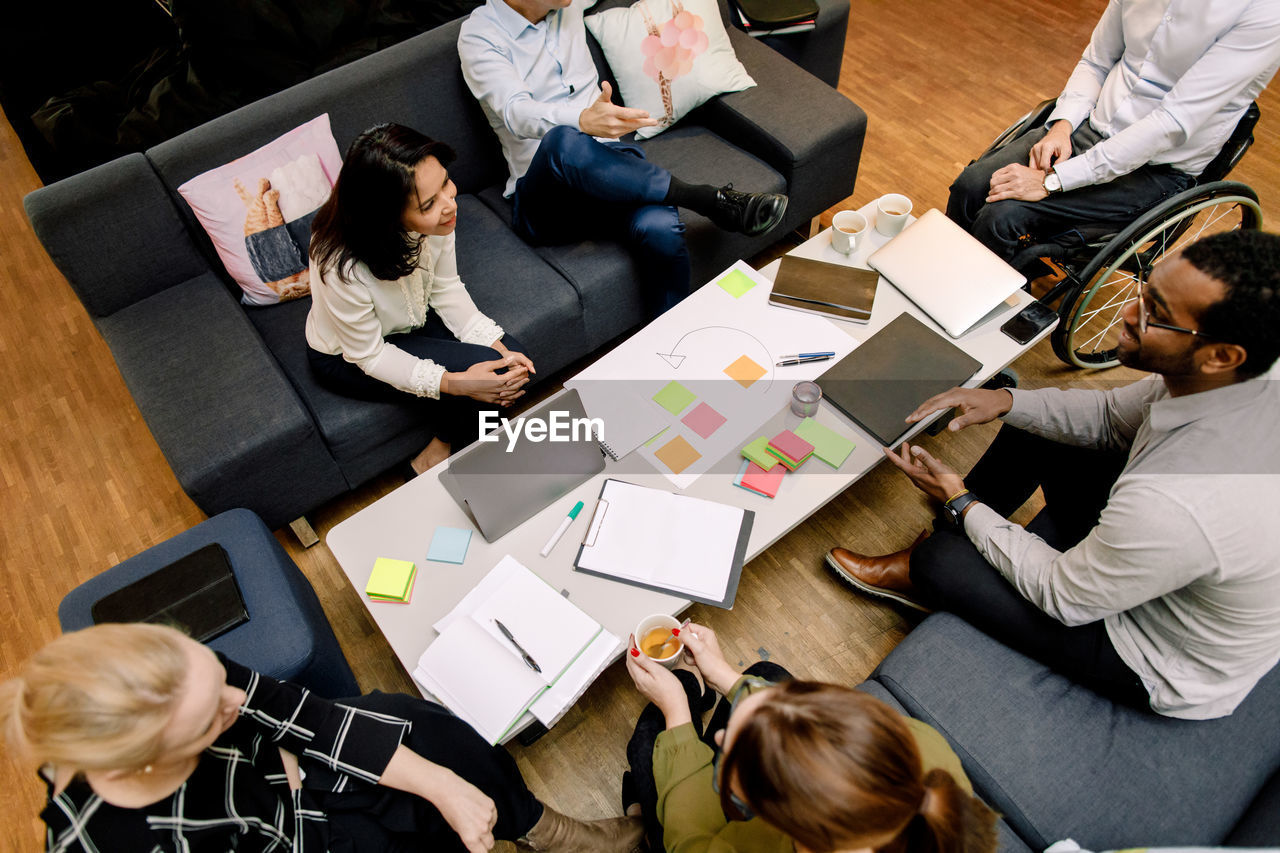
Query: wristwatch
(955, 506)
(1052, 183)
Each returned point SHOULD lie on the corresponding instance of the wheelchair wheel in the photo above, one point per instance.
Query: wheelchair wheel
(1090, 323)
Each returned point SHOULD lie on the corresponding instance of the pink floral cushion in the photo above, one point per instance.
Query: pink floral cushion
(257, 210)
(669, 56)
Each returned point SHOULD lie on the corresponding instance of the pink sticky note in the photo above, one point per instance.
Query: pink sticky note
(704, 420)
(763, 482)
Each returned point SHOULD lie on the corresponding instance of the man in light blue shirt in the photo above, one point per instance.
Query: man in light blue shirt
(1156, 94)
(528, 64)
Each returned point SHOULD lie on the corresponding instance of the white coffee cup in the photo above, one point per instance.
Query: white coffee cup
(846, 229)
(666, 623)
(892, 211)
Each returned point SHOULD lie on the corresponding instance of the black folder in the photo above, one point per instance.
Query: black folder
(890, 374)
(197, 594)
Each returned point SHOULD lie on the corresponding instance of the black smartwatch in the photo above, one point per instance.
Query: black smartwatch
(956, 506)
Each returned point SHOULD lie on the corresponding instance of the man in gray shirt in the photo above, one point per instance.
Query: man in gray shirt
(1153, 572)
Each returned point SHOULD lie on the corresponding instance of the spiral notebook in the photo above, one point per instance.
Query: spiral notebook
(630, 419)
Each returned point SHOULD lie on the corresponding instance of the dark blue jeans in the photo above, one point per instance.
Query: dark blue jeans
(1010, 226)
(453, 419)
(577, 188)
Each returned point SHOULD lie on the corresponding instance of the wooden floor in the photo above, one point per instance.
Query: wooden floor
(84, 485)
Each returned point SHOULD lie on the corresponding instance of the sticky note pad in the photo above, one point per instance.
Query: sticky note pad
(744, 371)
(828, 445)
(762, 482)
(677, 454)
(390, 580)
(674, 397)
(737, 480)
(704, 420)
(736, 283)
(791, 449)
(757, 451)
(449, 545)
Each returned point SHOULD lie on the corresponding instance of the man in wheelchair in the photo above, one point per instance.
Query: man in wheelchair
(1155, 95)
(1151, 575)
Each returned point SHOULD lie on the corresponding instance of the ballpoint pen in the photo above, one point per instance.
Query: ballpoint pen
(804, 358)
(808, 355)
(528, 659)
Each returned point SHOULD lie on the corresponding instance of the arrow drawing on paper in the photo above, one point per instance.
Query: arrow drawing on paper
(675, 358)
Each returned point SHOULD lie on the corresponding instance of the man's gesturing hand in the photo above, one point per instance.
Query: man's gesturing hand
(1053, 148)
(935, 479)
(607, 119)
(972, 405)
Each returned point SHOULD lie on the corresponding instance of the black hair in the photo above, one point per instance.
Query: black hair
(361, 221)
(1248, 265)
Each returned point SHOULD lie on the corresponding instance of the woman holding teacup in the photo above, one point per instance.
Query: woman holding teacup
(789, 765)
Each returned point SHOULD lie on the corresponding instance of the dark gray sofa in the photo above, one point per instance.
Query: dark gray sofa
(226, 390)
(1058, 761)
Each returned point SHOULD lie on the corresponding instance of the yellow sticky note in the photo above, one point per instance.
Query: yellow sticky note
(390, 579)
(677, 454)
(736, 283)
(745, 372)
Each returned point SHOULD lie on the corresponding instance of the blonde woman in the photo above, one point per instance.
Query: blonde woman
(149, 741)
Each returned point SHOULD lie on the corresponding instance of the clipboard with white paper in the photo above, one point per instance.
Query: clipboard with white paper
(667, 542)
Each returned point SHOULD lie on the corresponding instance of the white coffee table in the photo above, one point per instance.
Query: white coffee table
(400, 525)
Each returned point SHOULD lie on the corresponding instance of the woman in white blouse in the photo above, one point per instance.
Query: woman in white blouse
(389, 313)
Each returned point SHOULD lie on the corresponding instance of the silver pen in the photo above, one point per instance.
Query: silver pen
(528, 658)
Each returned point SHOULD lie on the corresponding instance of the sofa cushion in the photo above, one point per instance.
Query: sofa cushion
(1260, 825)
(1059, 761)
(257, 209)
(507, 281)
(222, 412)
(669, 57)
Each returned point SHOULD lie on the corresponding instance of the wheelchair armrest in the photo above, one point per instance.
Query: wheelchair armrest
(1030, 121)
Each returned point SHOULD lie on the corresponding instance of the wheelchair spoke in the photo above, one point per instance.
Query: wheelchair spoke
(1122, 295)
(1115, 316)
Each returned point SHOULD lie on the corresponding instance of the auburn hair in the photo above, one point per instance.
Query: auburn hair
(835, 769)
(96, 699)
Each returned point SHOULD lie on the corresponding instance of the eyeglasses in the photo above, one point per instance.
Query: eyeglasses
(745, 687)
(1144, 316)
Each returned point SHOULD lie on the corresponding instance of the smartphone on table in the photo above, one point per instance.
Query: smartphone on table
(1029, 322)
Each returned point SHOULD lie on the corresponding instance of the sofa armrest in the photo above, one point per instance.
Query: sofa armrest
(114, 232)
(819, 51)
(810, 133)
(224, 415)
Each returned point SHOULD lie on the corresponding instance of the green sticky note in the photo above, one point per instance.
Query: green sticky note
(757, 451)
(828, 445)
(675, 398)
(736, 283)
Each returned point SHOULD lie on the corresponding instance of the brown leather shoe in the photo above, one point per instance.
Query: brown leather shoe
(556, 833)
(883, 577)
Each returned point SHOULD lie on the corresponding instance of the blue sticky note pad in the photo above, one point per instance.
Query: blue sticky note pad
(449, 545)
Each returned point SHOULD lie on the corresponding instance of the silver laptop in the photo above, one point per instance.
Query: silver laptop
(943, 269)
(500, 488)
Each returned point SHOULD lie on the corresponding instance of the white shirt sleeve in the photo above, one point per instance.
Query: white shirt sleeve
(1246, 51)
(494, 81)
(1087, 418)
(1106, 48)
(450, 299)
(1144, 546)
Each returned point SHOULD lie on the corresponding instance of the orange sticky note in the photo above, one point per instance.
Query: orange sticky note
(745, 372)
(677, 454)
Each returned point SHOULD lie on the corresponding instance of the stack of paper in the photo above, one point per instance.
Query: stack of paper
(391, 580)
(478, 673)
(790, 449)
(828, 445)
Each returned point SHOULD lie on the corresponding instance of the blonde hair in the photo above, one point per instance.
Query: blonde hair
(96, 699)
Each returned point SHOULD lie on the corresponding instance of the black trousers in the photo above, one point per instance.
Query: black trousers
(453, 419)
(951, 574)
(652, 723)
(1007, 227)
(383, 820)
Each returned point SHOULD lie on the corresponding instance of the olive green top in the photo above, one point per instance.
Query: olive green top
(689, 809)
